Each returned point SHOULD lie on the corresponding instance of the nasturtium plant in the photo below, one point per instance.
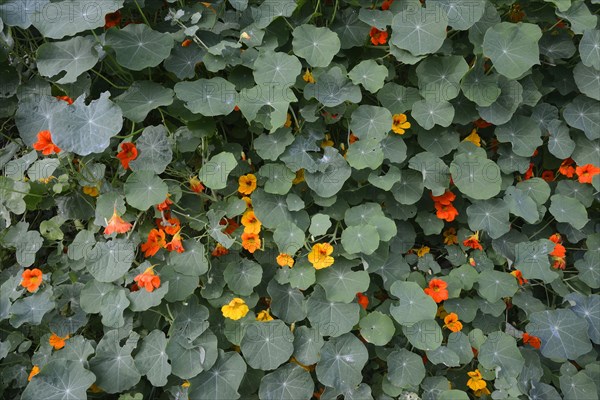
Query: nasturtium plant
(296, 200)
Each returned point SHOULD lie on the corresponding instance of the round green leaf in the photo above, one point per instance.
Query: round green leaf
(569, 210)
(495, 285)
(143, 97)
(424, 335)
(331, 318)
(405, 368)
(439, 77)
(429, 113)
(59, 380)
(138, 46)
(377, 328)
(413, 304)
(287, 303)
(267, 345)
(154, 150)
(290, 382)
(208, 97)
(369, 74)
(500, 351)
(522, 133)
(582, 113)
(503, 108)
(396, 98)
(276, 68)
(222, 381)
(73, 56)
(476, 177)
(589, 48)
(143, 189)
(316, 45)
(360, 239)
(331, 178)
(113, 364)
(532, 259)
(370, 122)
(215, 172)
(410, 188)
(341, 283)
(109, 261)
(151, 359)
(420, 31)
(242, 277)
(587, 80)
(490, 216)
(341, 363)
(332, 89)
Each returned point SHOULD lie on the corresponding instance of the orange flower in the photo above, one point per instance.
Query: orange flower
(91, 191)
(34, 371)
(566, 168)
(175, 244)
(45, 144)
(437, 290)
(284, 259)
(378, 37)
(519, 275)
(529, 172)
(186, 43)
(65, 98)
(481, 123)
(447, 212)
(116, 224)
(451, 322)
(248, 202)
(170, 225)
(231, 225)
(165, 205)
(219, 251)
(548, 176)
(559, 249)
(446, 199)
(559, 263)
(533, 341)
(586, 173)
(32, 279)
(352, 138)
(473, 241)
(450, 236)
(112, 19)
(299, 176)
(127, 154)
(320, 255)
(362, 300)
(250, 222)
(57, 342)
(251, 242)
(400, 124)
(386, 4)
(516, 14)
(195, 185)
(155, 242)
(247, 184)
(148, 280)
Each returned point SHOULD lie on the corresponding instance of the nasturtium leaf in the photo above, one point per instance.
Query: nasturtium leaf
(271, 210)
(73, 56)
(208, 97)
(587, 80)
(523, 133)
(138, 46)
(32, 309)
(576, 190)
(182, 61)
(589, 48)
(424, 335)
(369, 74)
(271, 146)
(587, 267)
(396, 98)
(189, 358)
(113, 364)
(563, 334)
(85, 129)
(476, 177)
(267, 345)
(319, 224)
(568, 209)
(439, 77)
(578, 386)
(112, 308)
(532, 260)
(92, 294)
(290, 382)
(377, 328)
(307, 345)
(273, 100)
(435, 172)
(287, 303)
(350, 29)
(110, 260)
(410, 188)
(341, 363)
(143, 97)
(333, 88)
(152, 360)
(331, 318)
(317, 45)
(142, 300)
(500, 351)
(289, 238)
(222, 381)
(495, 285)
(462, 14)
(429, 113)
(154, 150)
(272, 9)
(341, 283)
(279, 178)
(214, 172)
(59, 380)
(560, 143)
(503, 108)
(192, 261)
(579, 16)
(276, 68)
(443, 355)
(419, 30)
(360, 239)
(405, 368)
(190, 319)
(520, 204)
(386, 181)
(490, 216)
(582, 113)
(334, 172)
(143, 189)
(371, 122)
(587, 307)
(536, 188)
(242, 277)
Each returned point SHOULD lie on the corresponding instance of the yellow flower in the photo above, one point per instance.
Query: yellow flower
(247, 184)
(451, 322)
(473, 138)
(288, 121)
(320, 255)
(476, 381)
(481, 392)
(441, 312)
(250, 222)
(299, 176)
(34, 371)
(95, 388)
(235, 310)
(284, 259)
(327, 142)
(46, 180)
(308, 77)
(248, 202)
(400, 123)
(91, 191)
(450, 236)
(264, 316)
(422, 251)
(186, 384)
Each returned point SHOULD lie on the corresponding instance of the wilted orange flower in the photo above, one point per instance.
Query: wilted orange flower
(327, 142)
(378, 37)
(473, 241)
(165, 205)
(386, 4)
(548, 176)
(186, 43)
(116, 224)
(559, 263)
(34, 371)
(446, 212)
(127, 154)
(175, 244)
(441, 312)
(447, 198)
(320, 255)
(352, 138)
(422, 251)
(533, 341)
(91, 191)
(250, 222)
(299, 176)
(308, 77)
(231, 225)
(284, 259)
(437, 290)
(155, 242)
(451, 322)
(32, 279)
(67, 99)
(57, 342)
(195, 185)
(171, 225)
(148, 280)
(482, 392)
(45, 144)
(516, 13)
(264, 316)
(519, 275)
(473, 138)
(363, 300)
(529, 172)
(288, 121)
(247, 184)
(251, 242)
(481, 123)
(248, 202)
(219, 251)
(450, 236)
(586, 173)
(112, 19)
(400, 124)
(566, 168)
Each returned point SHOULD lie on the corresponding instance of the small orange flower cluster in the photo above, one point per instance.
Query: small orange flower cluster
(148, 280)
(252, 226)
(444, 208)
(559, 254)
(57, 342)
(531, 340)
(44, 143)
(127, 154)
(378, 37)
(362, 300)
(167, 225)
(437, 290)
(195, 185)
(519, 276)
(451, 322)
(112, 19)
(473, 242)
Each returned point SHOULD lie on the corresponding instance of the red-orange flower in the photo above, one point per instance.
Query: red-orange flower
(57, 342)
(32, 279)
(352, 138)
(127, 154)
(378, 37)
(186, 43)
(219, 251)
(437, 290)
(171, 225)
(251, 242)
(175, 244)
(165, 205)
(566, 168)
(529, 172)
(116, 224)
(386, 4)
(362, 300)
(447, 212)
(447, 198)
(195, 185)
(519, 275)
(34, 371)
(586, 173)
(548, 176)
(533, 341)
(481, 123)
(231, 225)
(66, 99)
(45, 144)
(148, 280)
(155, 242)
(112, 19)
(559, 249)
(473, 241)
(559, 263)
